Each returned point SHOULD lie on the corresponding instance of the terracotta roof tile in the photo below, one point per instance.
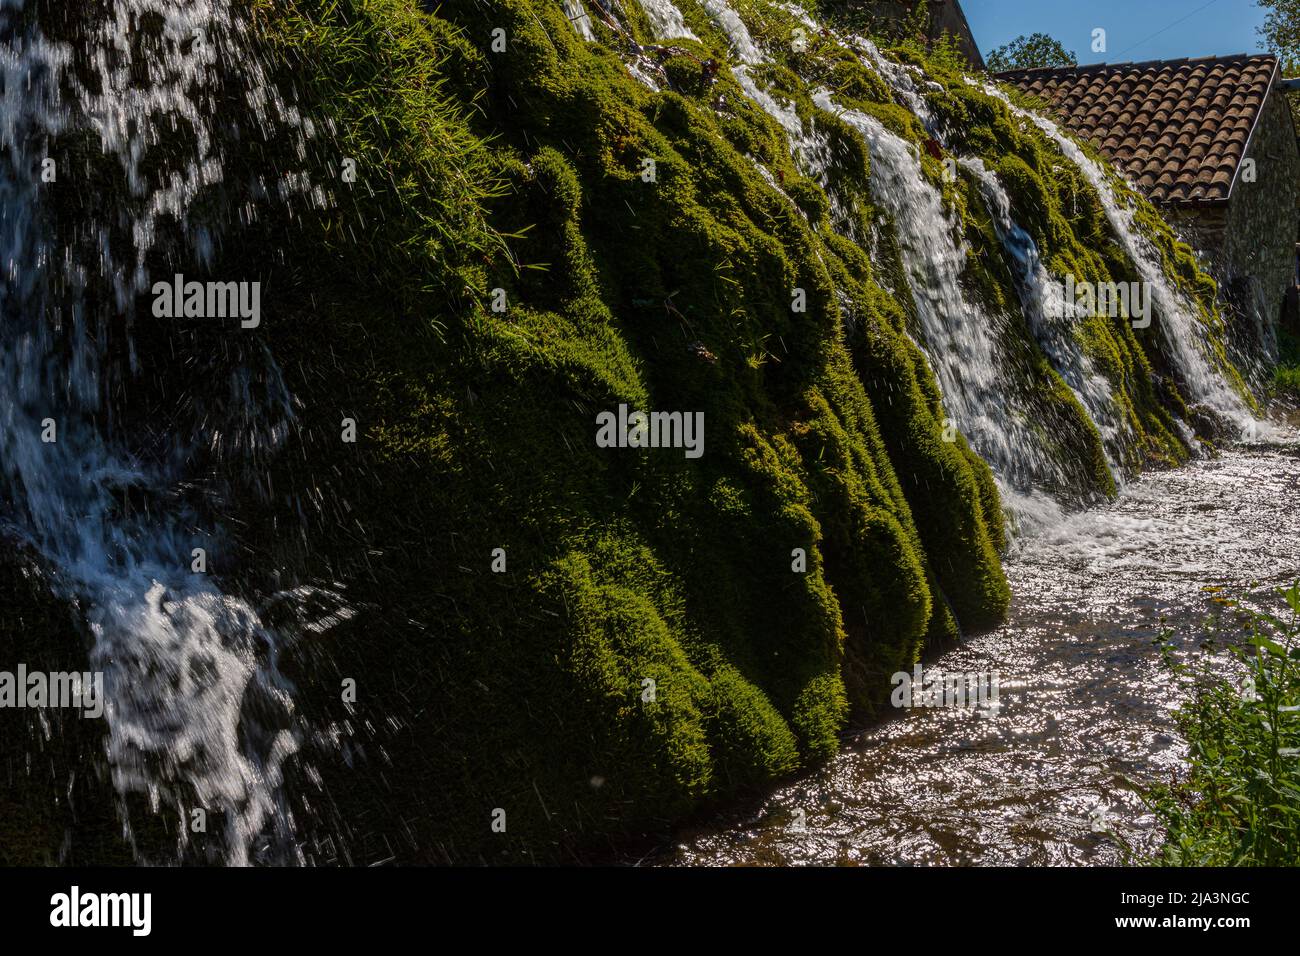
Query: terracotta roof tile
(1178, 127)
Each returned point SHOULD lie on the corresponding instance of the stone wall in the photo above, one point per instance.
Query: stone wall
(1258, 252)
(1250, 242)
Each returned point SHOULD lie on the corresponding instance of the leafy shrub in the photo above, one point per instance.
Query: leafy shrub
(1240, 803)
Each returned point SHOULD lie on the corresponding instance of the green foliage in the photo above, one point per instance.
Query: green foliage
(1240, 803)
(1028, 53)
(1281, 32)
(1286, 374)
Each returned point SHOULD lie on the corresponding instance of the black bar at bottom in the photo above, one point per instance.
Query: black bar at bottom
(616, 907)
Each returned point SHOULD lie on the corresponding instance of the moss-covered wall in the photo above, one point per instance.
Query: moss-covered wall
(623, 567)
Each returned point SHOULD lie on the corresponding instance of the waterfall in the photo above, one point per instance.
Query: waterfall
(1049, 318)
(783, 113)
(963, 343)
(960, 338)
(120, 494)
(900, 80)
(728, 20)
(579, 19)
(965, 346)
(666, 20)
(809, 146)
(197, 712)
(1181, 328)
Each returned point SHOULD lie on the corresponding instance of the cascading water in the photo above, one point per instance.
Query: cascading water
(743, 45)
(666, 20)
(961, 340)
(963, 343)
(728, 20)
(1088, 715)
(1049, 317)
(580, 19)
(809, 146)
(197, 712)
(900, 80)
(1181, 329)
(1023, 467)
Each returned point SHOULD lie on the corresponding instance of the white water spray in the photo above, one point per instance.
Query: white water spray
(728, 20)
(197, 712)
(579, 19)
(666, 20)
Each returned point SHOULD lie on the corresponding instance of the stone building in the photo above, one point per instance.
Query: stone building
(1212, 143)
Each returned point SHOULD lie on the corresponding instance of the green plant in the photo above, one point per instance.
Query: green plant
(1240, 803)
(1030, 52)
(1286, 375)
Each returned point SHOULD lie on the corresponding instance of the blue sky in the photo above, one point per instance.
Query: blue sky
(1207, 27)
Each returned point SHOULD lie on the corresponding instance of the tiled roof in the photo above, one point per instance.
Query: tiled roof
(1178, 128)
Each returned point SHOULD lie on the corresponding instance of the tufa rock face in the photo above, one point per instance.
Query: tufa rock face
(528, 612)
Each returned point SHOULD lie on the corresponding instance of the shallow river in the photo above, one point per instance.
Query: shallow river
(1085, 704)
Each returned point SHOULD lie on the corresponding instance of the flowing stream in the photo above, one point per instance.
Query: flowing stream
(1085, 705)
